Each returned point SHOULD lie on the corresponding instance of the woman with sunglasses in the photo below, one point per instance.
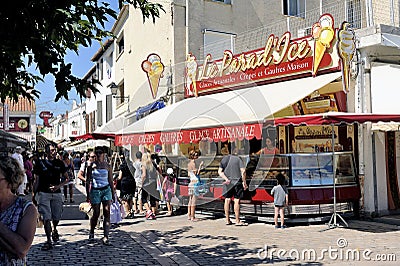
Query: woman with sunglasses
(18, 216)
(99, 175)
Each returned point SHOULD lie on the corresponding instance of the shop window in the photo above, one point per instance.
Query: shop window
(296, 8)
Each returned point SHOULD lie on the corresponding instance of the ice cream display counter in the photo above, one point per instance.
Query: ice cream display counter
(309, 179)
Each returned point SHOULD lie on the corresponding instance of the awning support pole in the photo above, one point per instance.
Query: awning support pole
(333, 221)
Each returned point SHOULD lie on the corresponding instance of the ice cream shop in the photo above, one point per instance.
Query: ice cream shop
(251, 103)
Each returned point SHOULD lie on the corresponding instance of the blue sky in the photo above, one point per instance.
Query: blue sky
(81, 64)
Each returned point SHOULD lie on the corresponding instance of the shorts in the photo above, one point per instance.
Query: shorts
(234, 190)
(126, 196)
(150, 191)
(138, 192)
(99, 195)
(193, 190)
(50, 205)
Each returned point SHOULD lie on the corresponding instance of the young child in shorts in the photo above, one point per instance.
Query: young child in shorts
(281, 200)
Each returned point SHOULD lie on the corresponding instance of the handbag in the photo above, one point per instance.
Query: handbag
(175, 201)
(200, 186)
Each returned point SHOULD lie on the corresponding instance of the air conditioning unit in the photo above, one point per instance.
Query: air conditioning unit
(304, 32)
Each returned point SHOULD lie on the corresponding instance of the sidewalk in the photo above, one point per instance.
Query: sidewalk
(177, 241)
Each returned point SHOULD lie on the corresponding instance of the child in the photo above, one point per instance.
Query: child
(169, 187)
(281, 200)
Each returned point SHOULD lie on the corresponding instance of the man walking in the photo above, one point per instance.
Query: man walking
(232, 170)
(47, 190)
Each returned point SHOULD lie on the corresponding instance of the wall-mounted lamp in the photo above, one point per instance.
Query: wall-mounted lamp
(84, 115)
(114, 91)
(73, 124)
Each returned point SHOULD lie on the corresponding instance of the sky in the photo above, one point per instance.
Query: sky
(81, 64)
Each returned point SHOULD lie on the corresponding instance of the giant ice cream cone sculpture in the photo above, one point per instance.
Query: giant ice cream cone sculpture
(323, 33)
(154, 69)
(346, 48)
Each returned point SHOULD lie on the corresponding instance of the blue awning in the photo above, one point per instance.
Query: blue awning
(148, 109)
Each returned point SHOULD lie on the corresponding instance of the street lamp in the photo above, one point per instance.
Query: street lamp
(114, 91)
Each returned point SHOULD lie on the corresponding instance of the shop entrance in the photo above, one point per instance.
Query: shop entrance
(392, 175)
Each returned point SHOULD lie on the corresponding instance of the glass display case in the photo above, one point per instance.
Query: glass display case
(300, 170)
(313, 169)
(210, 167)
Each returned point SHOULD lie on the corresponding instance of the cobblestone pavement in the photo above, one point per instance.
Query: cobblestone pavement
(177, 241)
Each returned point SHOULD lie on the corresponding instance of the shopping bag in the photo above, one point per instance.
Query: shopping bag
(175, 201)
(159, 188)
(115, 213)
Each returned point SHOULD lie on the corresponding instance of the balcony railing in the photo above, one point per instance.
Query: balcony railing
(359, 13)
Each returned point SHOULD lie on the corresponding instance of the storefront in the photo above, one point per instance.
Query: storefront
(229, 100)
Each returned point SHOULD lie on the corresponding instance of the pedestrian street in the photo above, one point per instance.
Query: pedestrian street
(174, 240)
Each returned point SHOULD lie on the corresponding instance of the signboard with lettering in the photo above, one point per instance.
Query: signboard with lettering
(327, 49)
(231, 133)
(46, 115)
(16, 124)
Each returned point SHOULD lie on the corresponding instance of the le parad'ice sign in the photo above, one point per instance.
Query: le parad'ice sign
(327, 49)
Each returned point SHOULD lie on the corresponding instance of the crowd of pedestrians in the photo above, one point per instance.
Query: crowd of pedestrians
(142, 184)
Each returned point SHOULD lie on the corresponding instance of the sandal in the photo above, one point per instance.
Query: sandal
(229, 223)
(105, 241)
(242, 224)
(47, 246)
(55, 236)
(91, 237)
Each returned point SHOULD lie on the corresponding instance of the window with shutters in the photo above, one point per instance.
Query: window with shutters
(108, 108)
(99, 113)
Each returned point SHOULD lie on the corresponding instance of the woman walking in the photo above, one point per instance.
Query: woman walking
(99, 177)
(149, 189)
(71, 177)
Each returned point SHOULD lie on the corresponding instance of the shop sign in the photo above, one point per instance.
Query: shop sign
(327, 49)
(231, 133)
(46, 115)
(16, 124)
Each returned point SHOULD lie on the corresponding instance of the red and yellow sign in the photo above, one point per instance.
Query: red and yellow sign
(281, 58)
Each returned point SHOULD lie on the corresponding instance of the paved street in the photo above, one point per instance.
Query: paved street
(177, 241)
